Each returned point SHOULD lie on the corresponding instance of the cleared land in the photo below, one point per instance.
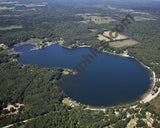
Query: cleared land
(31, 9)
(93, 30)
(119, 37)
(31, 5)
(34, 5)
(65, 72)
(10, 15)
(96, 18)
(6, 8)
(68, 101)
(118, 44)
(10, 2)
(139, 18)
(128, 10)
(101, 37)
(11, 27)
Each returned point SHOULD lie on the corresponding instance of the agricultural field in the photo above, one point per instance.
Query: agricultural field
(101, 37)
(11, 27)
(7, 8)
(96, 18)
(139, 18)
(119, 37)
(10, 2)
(124, 43)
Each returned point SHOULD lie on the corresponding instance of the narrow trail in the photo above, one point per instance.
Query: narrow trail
(10, 125)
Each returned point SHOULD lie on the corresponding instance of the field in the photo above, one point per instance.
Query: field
(96, 18)
(119, 37)
(93, 30)
(139, 18)
(11, 27)
(10, 15)
(129, 11)
(6, 8)
(34, 5)
(118, 44)
(10, 2)
(101, 37)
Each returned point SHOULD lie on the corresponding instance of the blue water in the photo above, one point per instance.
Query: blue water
(107, 80)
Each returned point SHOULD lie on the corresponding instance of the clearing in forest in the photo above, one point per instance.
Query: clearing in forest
(101, 37)
(119, 37)
(11, 27)
(96, 18)
(123, 43)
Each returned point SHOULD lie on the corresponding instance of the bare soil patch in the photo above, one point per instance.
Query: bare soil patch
(101, 37)
(119, 37)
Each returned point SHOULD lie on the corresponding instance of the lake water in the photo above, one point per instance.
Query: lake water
(108, 80)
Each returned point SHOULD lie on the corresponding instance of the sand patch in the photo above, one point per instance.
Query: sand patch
(16, 107)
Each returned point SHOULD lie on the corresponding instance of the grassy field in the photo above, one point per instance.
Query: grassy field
(6, 8)
(11, 27)
(118, 44)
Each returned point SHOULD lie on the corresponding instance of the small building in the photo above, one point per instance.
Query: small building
(3, 46)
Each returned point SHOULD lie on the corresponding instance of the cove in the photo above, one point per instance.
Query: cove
(108, 80)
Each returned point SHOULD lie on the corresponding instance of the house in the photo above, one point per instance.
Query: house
(2, 45)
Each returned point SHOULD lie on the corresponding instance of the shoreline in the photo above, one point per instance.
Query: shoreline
(146, 97)
(37, 42)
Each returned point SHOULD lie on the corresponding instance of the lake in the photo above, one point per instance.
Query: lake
(108, 80)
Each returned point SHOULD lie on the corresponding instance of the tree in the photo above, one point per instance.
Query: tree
(12, 109)
(141, 123)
